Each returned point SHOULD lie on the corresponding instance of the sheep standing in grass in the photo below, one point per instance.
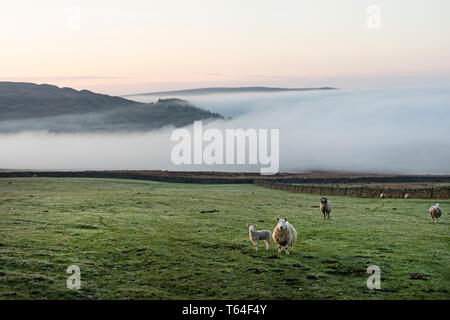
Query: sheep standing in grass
(407, 196)
(325, 207)
(255, 236)
(435, 212)
(382, 195)
(284, 235)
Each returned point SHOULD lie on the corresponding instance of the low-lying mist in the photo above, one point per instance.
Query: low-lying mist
(383, 131)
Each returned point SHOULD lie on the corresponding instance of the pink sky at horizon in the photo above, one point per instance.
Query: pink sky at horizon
(143, 46)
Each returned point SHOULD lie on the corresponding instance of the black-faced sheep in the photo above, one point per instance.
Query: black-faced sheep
(325, 207)
(255, 236)
(284, 235)
(435, 212)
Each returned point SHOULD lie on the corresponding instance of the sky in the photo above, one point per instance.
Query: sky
(135, 46)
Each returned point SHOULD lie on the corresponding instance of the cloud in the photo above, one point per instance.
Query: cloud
(382, 131)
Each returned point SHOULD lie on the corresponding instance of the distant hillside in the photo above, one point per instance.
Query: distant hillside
(218, 90)
(28, 106)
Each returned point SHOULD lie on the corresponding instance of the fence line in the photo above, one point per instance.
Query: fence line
(433, 192)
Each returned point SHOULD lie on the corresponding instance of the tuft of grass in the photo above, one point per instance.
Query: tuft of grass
(151, 240)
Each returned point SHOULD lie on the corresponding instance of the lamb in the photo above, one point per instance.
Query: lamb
(382, 195)
(407, 196)
(284, 235)
(435, 212)
(255, 236)
(325, 207)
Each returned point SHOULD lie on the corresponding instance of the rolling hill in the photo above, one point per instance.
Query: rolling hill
(225, 90)
(30, 107)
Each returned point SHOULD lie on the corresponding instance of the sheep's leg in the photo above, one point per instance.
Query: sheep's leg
(256, 245)
(279, 248)
(324, 216)
(267, 244)
(292, 247)
(287, 249)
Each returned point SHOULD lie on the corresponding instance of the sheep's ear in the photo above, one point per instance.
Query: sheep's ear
(254, 226)
(285, 218)
(278, 219)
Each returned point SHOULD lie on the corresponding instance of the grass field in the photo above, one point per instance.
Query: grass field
(150, 240)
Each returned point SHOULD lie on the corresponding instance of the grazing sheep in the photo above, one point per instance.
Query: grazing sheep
(325, 207)
(255, 236)
(435, 212)
(382, 195)
(284, 235)
(407, 196)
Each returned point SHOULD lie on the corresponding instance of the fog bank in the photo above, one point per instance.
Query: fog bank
(383, 131)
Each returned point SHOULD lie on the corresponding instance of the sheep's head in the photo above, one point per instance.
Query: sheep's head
(323, 200)
(282, 223)
(251, 228)
(437, 205)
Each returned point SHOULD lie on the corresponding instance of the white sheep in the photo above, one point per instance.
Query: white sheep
(382, 195)
(255, 236)
(435, 212)
(325, 207)
(284, 235)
